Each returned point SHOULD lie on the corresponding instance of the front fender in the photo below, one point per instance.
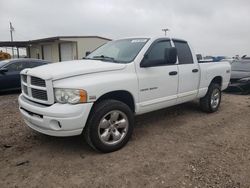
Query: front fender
(98, 84)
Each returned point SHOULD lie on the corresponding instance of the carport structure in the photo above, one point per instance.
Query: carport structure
(60, 48)
(53, 49)
(15, 44)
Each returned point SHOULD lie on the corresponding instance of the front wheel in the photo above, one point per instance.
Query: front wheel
(109, 126)
(211, 102)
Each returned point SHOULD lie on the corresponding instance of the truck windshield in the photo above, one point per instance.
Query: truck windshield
(119, 51)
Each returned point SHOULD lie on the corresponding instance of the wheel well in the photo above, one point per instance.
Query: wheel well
(217, 80)
(120, 95)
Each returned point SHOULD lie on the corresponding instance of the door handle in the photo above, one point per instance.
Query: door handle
(172, 73)
(195, 70)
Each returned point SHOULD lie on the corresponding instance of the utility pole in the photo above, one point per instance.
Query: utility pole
(165, 31)
(11, 37)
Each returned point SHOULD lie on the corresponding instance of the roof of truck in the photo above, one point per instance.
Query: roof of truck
(154, 38)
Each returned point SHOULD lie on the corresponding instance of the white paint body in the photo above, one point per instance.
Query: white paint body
(99, 78)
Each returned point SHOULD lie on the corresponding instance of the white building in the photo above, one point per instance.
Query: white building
(61, 48)
(64, 48)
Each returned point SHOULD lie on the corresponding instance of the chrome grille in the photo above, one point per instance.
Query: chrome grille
(25, 89)
(37, 81)
(39, 94)
(24, 78)
(37, 89)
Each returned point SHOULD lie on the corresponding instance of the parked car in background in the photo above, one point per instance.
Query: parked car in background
(240, 76)
(228, 59)
(245, 57)
(210, 59)
(10, 72)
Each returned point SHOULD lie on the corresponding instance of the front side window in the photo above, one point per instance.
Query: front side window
(119, 51)
(183, 52)
(157, 52)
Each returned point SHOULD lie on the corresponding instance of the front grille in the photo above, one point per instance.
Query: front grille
(25, 89)
(37, 81)
(24, 78)
(37, 89)
(39, 94)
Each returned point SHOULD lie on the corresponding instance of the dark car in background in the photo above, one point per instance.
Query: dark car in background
(240, 76)
(10, 72)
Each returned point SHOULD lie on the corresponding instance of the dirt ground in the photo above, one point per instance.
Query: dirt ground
(175, 147)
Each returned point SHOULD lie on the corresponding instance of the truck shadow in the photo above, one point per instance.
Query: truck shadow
(71, 144)
(170, 112)
(146, 122)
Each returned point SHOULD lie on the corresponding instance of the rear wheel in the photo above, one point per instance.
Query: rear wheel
(110, 126)
(211, 102)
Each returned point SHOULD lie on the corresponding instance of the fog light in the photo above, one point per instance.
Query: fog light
(55, 125)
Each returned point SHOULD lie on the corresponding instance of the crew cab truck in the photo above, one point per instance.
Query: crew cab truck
(97, 97)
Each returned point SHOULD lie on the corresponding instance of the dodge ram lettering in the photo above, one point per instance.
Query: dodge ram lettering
(97, 97)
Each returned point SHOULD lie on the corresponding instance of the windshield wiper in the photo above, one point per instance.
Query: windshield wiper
(103, 57)
(86, 58)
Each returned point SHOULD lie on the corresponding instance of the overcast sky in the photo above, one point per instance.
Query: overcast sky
(214, 27)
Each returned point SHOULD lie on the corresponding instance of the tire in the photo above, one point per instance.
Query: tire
(110, 126)
(210, 103)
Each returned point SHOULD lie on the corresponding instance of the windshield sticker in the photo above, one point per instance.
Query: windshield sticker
(138, 40)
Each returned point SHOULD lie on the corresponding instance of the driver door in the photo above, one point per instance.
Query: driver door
(158, 84)
(11, 79)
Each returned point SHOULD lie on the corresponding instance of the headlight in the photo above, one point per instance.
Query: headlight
(244, 79)
(71, 96)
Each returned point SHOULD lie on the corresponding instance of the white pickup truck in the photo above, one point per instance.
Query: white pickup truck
(97, 97)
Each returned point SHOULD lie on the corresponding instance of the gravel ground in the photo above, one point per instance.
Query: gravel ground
(175, 147)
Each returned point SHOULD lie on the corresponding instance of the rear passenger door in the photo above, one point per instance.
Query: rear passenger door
(188, 72)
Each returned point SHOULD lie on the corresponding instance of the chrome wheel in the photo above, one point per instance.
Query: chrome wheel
(215, 98)
(113, 127)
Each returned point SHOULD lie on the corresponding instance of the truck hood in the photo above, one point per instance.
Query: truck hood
(66, 69)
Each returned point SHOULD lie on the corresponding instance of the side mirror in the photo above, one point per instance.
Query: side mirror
(3, 70)
(171, 55)
(199, 57)
(152, 63)
(87, 53)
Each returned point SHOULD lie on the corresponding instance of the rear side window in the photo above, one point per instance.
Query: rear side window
(183, 52)
(34, 64)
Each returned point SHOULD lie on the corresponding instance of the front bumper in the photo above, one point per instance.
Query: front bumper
(55, 120)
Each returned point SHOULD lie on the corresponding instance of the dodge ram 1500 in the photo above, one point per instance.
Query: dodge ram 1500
(97, 97)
